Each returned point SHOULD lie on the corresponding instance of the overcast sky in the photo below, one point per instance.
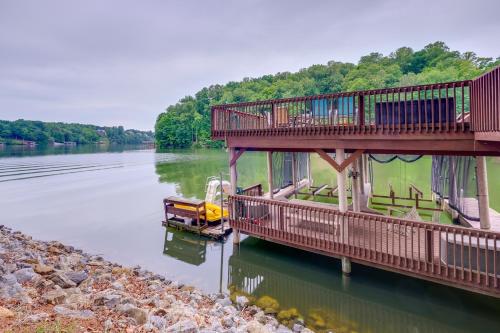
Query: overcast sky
(122, 62)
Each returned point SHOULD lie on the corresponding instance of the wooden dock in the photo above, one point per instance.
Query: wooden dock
(214, 231)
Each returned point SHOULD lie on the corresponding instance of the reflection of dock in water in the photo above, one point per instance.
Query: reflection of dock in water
(357, 307)
(186, 247)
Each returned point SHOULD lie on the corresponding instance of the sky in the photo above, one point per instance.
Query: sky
(120, 62)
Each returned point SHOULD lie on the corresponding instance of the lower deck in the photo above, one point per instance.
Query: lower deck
(462, 257)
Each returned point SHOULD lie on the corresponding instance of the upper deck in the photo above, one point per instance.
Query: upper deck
(458, 118)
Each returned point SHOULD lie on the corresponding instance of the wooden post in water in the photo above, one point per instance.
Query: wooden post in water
(270, 173)
(482, 192)
(342, 192)
(234, 180)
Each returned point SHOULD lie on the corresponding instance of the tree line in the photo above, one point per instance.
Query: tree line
(15, 132)
(187, 123)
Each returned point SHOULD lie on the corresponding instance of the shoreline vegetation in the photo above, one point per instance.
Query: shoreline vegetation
(51, 287)
(187, 123)
(32, 132)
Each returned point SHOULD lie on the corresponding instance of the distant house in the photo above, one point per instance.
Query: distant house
(101, 132)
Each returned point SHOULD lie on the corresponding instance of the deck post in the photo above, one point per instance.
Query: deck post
(482, 192)
(356, 187)
(233, 174)
(341, 186)
(361, 173)
(341, 180)
(270, 173)
(294, 174)
(309, 172)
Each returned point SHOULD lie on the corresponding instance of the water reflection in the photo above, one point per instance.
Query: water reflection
(380, 302)
(189, 248)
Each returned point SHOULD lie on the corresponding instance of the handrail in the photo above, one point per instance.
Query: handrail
(485, 102)
(431, 108)
(463, 257)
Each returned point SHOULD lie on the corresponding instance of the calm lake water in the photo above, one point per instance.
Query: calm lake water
(108, 201)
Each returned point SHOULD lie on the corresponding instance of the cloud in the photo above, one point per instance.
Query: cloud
(122, 62)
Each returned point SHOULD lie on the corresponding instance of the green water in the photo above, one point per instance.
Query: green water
(108, 202)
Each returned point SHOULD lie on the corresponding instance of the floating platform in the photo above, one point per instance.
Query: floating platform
(214, 231)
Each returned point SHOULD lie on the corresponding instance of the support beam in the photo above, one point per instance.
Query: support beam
(233, 174)
(270, 173)
(339, 166)
(361, 172)
(309, 172)
(341, 180)
(236, 156)
(294, 173)
(356, 187)
(482, 193)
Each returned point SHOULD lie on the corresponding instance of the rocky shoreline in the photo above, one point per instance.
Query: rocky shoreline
(48, 286)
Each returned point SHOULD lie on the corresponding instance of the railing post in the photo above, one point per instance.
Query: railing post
(361, 110)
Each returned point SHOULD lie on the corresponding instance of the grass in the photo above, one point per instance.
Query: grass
(54, 327)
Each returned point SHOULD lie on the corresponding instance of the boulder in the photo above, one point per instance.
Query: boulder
(35, 318)
(60, 279)
(77, 277)
(6, 313)
(75, 314)
(139, 315)
(25, 274)
(57, 296)
(11, 289)
(43, 269)
(184, 326)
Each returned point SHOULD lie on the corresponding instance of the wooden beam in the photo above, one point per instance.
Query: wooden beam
(339, 167)
(236, 156)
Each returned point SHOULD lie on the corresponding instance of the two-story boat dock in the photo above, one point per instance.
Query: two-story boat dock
(453, 121)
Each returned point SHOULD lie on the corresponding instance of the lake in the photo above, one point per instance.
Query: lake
(108, 201)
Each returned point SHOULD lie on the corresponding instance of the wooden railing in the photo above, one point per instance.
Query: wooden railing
(457, 256)
(485, 106)
(253, 191)
(434, 108)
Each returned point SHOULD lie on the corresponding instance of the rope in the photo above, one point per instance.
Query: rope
(405, 158)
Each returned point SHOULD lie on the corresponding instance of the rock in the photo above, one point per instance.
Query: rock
(43, 269)
(57, 296)
(77, 277)
(184, 326)
(11, 289)
(25, 274)
(157, 321)
(297, 328)
(139, 315)
(60, 279)
(117, 285)
(254, 326)
(108, 325)
(107, 299)
(35, 318)
(6, 313)
(77, 300)
(242, 301)
(283, 329)
(224, 301)
(227, 321)
(75, 314)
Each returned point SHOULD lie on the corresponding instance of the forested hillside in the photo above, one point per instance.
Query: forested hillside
(188, 122)
(43, 132)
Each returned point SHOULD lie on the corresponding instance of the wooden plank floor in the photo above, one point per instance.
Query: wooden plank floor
(397, 241)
